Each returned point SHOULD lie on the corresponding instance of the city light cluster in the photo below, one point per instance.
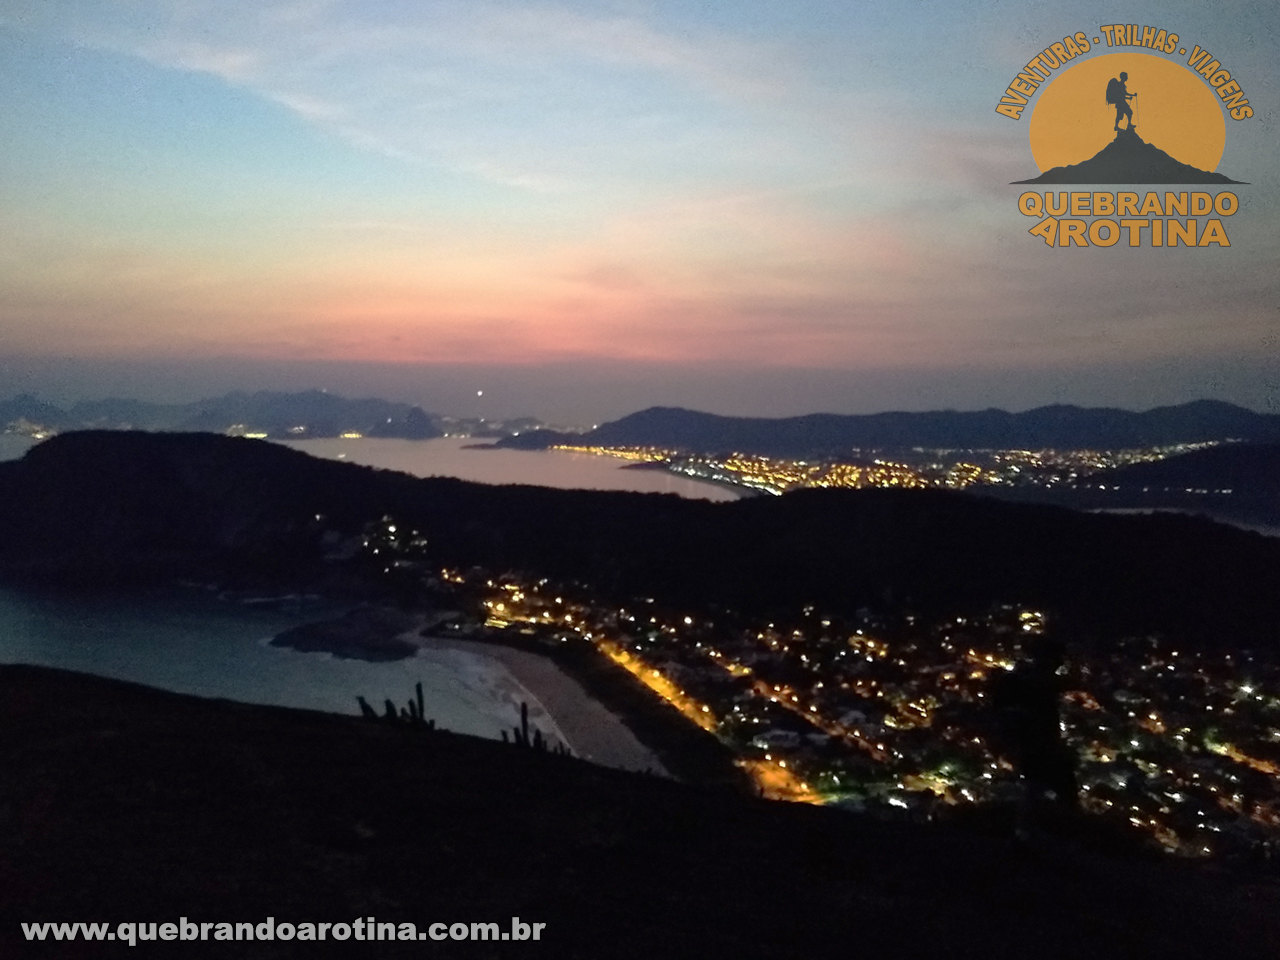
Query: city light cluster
(917, 468)
(900, 714)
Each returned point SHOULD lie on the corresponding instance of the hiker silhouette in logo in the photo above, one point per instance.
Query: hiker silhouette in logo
(1117, 94)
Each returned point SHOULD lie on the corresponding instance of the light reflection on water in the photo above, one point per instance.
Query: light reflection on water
(456, 457)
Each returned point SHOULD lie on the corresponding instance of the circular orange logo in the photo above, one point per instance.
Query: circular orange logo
(1092, 103)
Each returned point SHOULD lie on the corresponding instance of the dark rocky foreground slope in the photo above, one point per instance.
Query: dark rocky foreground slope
(122, 803)
(102, 508)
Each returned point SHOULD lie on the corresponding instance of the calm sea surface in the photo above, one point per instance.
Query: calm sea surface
(457, 457)
(451, 457)
(189, 641)
(13, 446)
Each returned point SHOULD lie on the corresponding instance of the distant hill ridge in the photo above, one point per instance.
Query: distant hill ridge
(827, 434)
(1240, 467)
(317, 413)
(311, 413)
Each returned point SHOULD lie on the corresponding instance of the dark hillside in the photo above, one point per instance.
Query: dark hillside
(122, 803)
(1239, 482)
(1253, 468)
(118, 505)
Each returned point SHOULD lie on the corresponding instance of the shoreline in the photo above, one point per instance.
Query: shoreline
(558, 705)
(1265, 529)
(602, 713)
(592, 731)
(688, 754)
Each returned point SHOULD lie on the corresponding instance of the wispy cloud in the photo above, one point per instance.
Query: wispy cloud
(524, 96)
(626, 180)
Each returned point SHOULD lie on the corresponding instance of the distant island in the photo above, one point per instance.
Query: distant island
(319, 414)
(306, 415)
(1062, 454)
(365, 633)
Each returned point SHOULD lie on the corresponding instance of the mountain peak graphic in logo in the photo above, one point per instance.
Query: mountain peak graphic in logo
(1129, 159)
(1127, 118)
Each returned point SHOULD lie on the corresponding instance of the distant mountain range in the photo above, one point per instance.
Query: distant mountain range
(314, 413)
(832, 435)
(317, 413)
(1129, 159)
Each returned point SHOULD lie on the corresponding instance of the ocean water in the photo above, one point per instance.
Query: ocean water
(458, 457)
(189, 641)
(13, 446)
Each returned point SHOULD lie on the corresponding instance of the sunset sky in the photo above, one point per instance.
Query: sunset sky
(585, 208)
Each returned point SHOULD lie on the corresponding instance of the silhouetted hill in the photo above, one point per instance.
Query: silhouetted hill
(539, 439)
(123, 803)
(321, 413)
(1253, 467)
(1237, 482)
(103, 505)
(1129, 159)
(825, 434)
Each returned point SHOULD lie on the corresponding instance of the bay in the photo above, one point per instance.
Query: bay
(189, 641)
(467, 459)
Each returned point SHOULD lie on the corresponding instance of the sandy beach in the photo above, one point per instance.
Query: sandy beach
(488, 680)
(592, 732)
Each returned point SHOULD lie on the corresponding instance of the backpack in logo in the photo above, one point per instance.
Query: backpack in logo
(1114, 87)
